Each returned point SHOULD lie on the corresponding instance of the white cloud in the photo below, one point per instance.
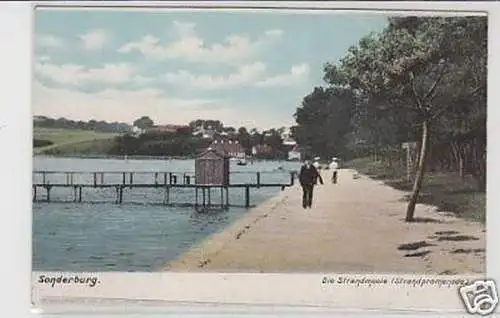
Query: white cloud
(94, 39)
(298, 74)
(245, 74)
(49, 41)
(71, 74)
(126, 106)
(254, 74)
(191, 47)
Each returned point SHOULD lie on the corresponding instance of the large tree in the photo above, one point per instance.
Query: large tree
(425, 68)
(323, 121)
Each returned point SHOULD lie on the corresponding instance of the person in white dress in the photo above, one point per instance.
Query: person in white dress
(334, 166)
(317, 166)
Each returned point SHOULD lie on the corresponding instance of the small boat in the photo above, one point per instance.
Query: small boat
(241, 162)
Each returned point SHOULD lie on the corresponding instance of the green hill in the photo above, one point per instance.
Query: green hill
(67, 141)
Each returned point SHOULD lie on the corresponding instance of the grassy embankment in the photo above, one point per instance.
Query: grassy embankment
(446, 190)
(69, 141)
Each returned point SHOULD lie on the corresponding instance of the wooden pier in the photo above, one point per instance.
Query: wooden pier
(204, 196)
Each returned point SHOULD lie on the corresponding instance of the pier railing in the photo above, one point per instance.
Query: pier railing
(45, 181)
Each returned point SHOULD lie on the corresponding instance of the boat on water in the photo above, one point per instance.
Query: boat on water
(241, 162)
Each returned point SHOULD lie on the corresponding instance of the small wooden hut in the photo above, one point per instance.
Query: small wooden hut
(212, 168)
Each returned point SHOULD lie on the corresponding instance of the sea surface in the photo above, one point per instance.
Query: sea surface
(139, 235)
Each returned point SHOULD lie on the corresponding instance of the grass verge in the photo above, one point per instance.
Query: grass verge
(445, 190)
(69, 141)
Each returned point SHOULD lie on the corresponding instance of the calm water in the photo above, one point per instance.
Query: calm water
(130, 237)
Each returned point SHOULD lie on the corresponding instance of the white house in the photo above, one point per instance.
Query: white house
(287, 138)
(205, 133)
(137, 131)
(289, 142)
(294, 154)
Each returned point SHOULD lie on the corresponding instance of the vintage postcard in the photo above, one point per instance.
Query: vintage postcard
(294, 156)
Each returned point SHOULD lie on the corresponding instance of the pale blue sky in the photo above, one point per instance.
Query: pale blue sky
(248, 69)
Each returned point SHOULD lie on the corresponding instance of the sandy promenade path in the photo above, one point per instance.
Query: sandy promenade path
(355, 226)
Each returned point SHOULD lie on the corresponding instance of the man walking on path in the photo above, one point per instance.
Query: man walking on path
(307, 178)
(334, 166)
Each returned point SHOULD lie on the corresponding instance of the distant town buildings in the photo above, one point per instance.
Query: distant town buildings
(137, 131)
(207, 133)
(167, 128)
(231, 148)
(295, 154)
(287, 138)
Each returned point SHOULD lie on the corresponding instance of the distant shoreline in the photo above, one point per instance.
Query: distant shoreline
(97, 156)
(137, 157)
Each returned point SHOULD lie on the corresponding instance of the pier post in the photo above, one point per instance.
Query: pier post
(124, 179)
(188, 180)
(131, 179)
(184, 178)
(75, 195)
(102, 177)
(209, 196)
(67, 178)
(34, 193)
(170, 177)
(164, 196)
(258, 179)
(168, 195)
(43, 178)
(196, 197)
(72, 178)
(119, 194)
(79, 194)
(95, 179)
(203, 191)
(221, 197)
(156, 178)
(227, 197)
(48, 193)
(292, 178)
(165, 178)
(174, 179)
(247, 196)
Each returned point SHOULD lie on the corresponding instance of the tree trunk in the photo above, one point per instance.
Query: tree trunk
(461, 166)
(417, 185)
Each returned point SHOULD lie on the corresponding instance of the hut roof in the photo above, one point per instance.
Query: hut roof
(212, 153)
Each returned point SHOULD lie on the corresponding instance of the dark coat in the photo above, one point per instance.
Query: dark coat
(308, 176)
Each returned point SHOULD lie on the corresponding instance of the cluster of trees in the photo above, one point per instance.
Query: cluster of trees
(184, 143)
(93, 125)
(180, 143)
(421, 79)
(159, 144)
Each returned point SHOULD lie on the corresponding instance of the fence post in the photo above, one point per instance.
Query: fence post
(247, 196)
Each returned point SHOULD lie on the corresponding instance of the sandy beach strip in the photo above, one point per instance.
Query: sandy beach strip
(355, 226)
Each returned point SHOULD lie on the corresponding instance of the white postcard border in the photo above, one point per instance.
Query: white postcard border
(16, 130)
